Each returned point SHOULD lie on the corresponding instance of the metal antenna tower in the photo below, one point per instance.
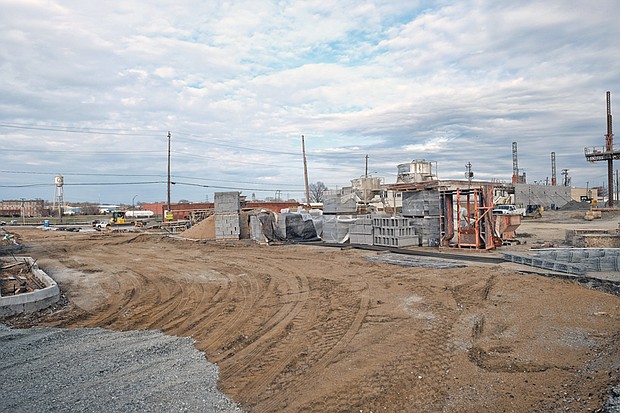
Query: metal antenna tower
(515, 164)
(608, 153)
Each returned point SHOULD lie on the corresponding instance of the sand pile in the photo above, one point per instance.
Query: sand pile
(205, 229)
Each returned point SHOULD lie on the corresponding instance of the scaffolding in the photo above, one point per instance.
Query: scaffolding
(466, 219)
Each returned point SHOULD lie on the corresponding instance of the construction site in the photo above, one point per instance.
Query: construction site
(423, 295)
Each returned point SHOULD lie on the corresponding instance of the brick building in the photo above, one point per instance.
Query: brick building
(30, 208)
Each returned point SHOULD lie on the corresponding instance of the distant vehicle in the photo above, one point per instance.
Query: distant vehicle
(533, 211)
(126, 218)
(100, 224)
(2, 223)
(506, 210)
(138, 214)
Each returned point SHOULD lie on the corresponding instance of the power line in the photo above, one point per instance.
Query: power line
(136, 175)
(74, 129)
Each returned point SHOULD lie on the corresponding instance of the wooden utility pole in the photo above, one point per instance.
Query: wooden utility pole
(303, 149)
(168, 174)
(609, 147)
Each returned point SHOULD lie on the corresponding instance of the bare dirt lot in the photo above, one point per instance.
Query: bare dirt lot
(298, 328)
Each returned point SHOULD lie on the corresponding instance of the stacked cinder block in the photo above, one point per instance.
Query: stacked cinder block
(338, 202)
(361, 231)
(424, 209)
(227, 210)
(336, 228)
(394, 232)
(339, 208)
(256, 230)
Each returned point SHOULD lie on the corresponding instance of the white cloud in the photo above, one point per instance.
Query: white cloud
(454, 81)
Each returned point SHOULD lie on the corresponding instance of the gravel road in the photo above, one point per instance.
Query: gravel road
(95, 370)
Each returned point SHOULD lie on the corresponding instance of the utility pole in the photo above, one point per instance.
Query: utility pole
(553, 170)
(566, 180)
(168, 174)
(617, 197)
(303, 149)
(469, 174)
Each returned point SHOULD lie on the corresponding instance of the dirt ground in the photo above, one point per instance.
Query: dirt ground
(297, 328)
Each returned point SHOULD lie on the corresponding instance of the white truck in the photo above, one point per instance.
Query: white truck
(507, 210)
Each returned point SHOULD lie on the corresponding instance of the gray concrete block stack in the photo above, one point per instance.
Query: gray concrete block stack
(395, 232)
(339, 209)
(361, 231)
(227, 216)
(424, 209)
(256, 230)
(339, 202)
(336, 228)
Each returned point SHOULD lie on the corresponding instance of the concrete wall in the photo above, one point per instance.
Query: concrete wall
(545, 195)
(32, 301)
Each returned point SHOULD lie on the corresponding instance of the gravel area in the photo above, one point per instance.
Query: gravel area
(96, 370)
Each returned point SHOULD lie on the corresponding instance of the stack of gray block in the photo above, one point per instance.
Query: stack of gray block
(227, 215)
(361, 231)
(394, 232)
(256, 230)
(592, 259)
(338, 202)
(424, 208)
(336, 228)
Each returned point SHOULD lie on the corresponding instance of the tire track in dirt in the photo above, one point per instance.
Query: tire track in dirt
(122, 299)
(226, 324)
(290, 334)
(298, 292)
(194, 297)
(416, 379)
(278, 401)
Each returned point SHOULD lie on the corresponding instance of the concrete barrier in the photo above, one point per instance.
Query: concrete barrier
(32, 301)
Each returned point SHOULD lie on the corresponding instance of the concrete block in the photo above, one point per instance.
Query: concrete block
(227, 202)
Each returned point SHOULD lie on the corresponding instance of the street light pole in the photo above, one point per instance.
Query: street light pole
(133, 205)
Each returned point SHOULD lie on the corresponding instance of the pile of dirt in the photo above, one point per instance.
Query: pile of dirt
(575, 206)
(205, 229)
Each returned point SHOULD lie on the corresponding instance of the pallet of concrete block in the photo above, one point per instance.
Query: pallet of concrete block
(360, 230)
(227, 226)
(420, 203)
(428, 228)
(336, 228)
(394, 232)
(339, 202)
(297, 227)
(227, 203)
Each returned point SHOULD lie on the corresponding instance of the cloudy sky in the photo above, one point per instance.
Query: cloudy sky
(90, 89)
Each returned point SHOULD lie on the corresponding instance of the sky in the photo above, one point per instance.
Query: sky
(90, 89)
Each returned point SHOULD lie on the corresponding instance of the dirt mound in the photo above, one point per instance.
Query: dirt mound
(205, 229)
(575, 206)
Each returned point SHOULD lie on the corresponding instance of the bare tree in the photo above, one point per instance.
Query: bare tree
(316, 191)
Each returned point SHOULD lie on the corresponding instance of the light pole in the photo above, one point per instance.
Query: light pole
(133, 207)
